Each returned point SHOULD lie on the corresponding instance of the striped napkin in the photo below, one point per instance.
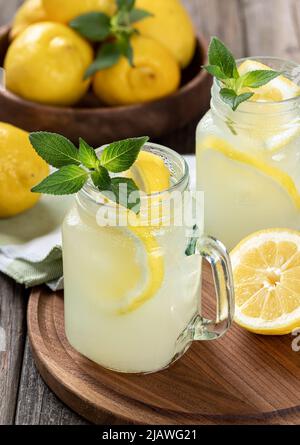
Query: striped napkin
(30, 243)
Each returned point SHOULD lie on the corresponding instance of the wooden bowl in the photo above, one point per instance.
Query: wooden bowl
(99, 124)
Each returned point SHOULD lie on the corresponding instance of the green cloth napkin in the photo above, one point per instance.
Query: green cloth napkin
(30, 243)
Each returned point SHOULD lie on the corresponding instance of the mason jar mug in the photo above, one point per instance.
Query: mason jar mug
(132, 291)
(248, 162)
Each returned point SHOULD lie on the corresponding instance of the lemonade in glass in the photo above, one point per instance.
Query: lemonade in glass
(248, 160)
(132, 290)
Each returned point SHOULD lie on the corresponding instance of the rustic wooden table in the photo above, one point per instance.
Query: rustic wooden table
(249, 27)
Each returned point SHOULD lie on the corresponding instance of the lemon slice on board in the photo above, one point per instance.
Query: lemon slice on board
(279, 176)
(279, 89)
(266, 271)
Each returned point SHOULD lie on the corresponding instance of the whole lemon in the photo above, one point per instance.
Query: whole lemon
(46, 63)
(155, 74)
(31, 11)
(170, 25)
(20, 169)
(67, 10)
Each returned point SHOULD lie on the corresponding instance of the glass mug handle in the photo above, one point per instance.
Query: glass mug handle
(216, 254)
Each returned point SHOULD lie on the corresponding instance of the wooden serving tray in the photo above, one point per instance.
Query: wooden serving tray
(241, 378)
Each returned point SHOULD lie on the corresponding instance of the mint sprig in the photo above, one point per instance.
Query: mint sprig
(222, 65)
(76, 166)
(113, 32)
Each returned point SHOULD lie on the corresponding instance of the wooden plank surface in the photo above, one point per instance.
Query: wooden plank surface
(249, 27)
(7, 10)
(221, 18)
(272, 28)
(13, 326)
(36, 403)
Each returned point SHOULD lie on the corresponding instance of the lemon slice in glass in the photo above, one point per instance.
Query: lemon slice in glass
(280, 177)
(150, 173)
(144, 271)
(279, 89)
(266, 270)
(149, 259)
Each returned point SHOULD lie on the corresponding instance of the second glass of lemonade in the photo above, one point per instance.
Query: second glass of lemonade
(132, 290)
(248, 160)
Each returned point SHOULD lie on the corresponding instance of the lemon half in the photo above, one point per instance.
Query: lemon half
(266, 270)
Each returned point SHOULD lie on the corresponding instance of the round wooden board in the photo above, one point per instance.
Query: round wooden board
(241, 378)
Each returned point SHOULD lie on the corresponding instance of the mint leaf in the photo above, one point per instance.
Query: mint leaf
(126, 193)
(55, 149)
(66, 181)
(232, 98)
(95, 26)
(108, 55)
(192, 243)
(258, 78)
(228, 96)
(128, 53)
(241, 98)
(101, 179)
(215, 71)
(220, 56)
(125, 4)
(139, 14)
(87, 155)
(119, 156)
(125, 47)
